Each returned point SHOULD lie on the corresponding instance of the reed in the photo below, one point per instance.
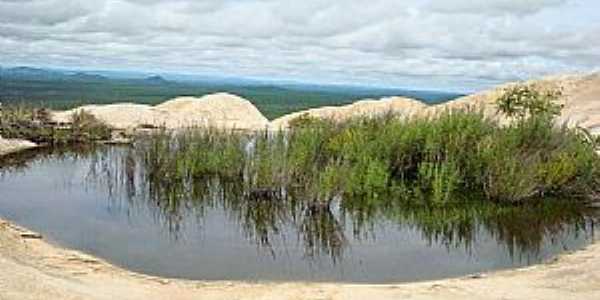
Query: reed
(423, 161)
(430, 160)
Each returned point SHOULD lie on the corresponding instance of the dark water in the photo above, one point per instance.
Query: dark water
(97, 202)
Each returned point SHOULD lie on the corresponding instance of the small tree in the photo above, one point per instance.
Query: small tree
(524, 101)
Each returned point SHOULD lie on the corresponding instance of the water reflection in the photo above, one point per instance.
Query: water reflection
(322, 228)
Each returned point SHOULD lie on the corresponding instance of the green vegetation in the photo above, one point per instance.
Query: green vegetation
(35, 124)
(323, 230)
(272, 101)
(523, 229)
(432, 161)
(427, 161)
(523, 101)
(449, 176)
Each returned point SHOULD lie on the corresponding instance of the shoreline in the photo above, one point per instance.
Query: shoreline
(62, 273)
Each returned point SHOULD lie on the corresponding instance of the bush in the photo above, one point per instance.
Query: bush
(35, 124)
(523, 101)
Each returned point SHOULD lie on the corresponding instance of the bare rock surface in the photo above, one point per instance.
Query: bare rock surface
(364, 108)
(579, 94)
(581, 100)
(217, 110)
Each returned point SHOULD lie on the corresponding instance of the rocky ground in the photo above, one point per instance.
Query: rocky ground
(217, 110)
(581, 100)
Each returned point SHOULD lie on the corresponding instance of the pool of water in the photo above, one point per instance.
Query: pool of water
(97, 201)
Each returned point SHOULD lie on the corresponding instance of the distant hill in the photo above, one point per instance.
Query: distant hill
(87, 77)
(30, 73)
(66, 88)
(38, 74)
(155, 79)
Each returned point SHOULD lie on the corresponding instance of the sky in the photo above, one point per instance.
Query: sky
(436, 44)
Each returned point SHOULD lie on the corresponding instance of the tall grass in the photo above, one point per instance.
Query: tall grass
(430, 161)
(434, 160)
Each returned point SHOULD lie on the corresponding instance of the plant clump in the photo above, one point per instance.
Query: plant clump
(36, 125)
(524, 101)
(434, 161)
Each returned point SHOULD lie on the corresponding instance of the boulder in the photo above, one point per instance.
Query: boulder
(365, 108)
(222, 110)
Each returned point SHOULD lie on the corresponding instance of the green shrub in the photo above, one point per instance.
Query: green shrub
(35, 124)
(523, 101)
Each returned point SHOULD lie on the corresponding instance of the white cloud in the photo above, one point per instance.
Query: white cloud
(494, 7)
(417, 42)
(45, 12)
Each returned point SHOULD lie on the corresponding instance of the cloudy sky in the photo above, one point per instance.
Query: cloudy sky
(457, 44)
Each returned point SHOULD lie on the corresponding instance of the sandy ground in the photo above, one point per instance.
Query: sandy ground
(31, 268)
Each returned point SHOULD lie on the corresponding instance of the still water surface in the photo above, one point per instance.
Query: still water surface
(97, 202)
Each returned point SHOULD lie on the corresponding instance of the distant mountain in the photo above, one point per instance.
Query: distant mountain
(30, 73)
(106, 83)
(155, 79)
(81, 76)
(24, 73)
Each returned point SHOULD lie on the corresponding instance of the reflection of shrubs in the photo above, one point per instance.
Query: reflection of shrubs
(523, 229)
(35, 124)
